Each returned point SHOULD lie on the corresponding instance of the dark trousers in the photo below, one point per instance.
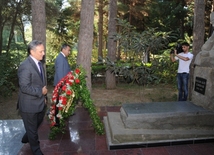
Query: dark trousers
(32, 121)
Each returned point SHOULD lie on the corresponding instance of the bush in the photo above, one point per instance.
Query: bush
(98, 69)
(160, 70)
(50, 73)
(8, 74)
(164, 69)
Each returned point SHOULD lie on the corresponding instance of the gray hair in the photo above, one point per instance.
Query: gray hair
(33, 44)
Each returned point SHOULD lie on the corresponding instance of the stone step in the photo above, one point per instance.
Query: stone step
(118, 135)
(144, 124)
(166, 115)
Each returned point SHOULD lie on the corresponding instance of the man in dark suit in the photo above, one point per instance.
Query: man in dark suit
(62, 66)
(32, 94)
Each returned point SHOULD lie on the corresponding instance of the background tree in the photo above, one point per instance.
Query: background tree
(1, 26)
(86, 38)
(100, 28)
(16, 5)
(198, 36)
(110, 77)
(63, 23)
(38, 20)
(39, 24)
(62, 28)
(13, 14)
(208, 26)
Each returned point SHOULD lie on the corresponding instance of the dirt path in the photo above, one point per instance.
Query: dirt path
(124, 93)
(132, 94)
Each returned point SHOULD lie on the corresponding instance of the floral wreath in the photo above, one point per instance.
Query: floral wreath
(66, 93)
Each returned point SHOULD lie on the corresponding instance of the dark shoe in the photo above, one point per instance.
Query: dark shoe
(24, 141)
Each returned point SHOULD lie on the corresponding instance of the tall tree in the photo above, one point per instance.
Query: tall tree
(100, 29)
(112, 44)
(86, 38)
(38, 20)
(9, 13)
(1, 26)
(39, 23)
(13, 23)
(198, 35)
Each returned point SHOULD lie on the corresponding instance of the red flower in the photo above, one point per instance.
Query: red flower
(69, 92)
(69, 82)
(53, 99)
(60, 108)
(77, 71)
(52, 124)
(64, 101)
(77, 81)
(64, 88)
(53, 107)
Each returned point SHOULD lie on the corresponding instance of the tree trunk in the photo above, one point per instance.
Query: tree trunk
(100, 29)
(86, 38)
(1, 28)
(38, 20)
(21, 27)
(39, 23)
(13, 23)
(118, 43)
(198, 37)
(110, 78)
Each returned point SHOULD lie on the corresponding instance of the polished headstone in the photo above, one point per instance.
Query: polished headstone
(11, 132)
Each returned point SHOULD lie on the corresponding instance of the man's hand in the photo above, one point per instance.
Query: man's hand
(172, 56)
(175, 52)
(44, 90)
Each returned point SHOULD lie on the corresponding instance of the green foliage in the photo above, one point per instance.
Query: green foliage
(133, 72)
(160, 70)
(174, 14)
(164, 69)
(62, 28)
(50, 73)
(98, 68)
(8, 74)
(138, 45)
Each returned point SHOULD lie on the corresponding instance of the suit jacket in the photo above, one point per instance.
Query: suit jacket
(62, 68)
(30, 98)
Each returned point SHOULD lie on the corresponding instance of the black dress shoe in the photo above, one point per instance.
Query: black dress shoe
(24, 141)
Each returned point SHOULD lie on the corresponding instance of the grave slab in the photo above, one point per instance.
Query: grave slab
(162, 123)
(166, 115)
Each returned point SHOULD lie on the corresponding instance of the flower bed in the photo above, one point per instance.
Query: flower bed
(71, 89)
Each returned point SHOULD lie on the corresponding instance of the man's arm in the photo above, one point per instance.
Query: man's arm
(181, 57)
(172, 57)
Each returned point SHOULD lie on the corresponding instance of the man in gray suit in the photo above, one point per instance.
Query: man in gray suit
(62, 66)
(32, 94)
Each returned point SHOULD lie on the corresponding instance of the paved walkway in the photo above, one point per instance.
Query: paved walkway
(80, 139)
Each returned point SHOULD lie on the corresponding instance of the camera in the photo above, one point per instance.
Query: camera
(178, 48)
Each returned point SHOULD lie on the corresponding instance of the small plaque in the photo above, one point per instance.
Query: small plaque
(200, 85)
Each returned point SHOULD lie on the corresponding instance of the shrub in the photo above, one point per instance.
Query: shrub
(8, 74)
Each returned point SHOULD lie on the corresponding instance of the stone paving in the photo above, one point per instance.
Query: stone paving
(80, 139)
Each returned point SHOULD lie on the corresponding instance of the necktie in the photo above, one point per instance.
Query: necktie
(40, 67)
